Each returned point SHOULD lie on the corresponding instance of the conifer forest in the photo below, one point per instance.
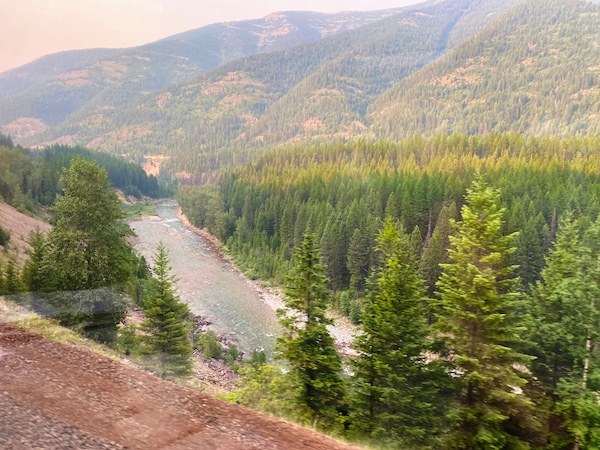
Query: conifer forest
(427, 175)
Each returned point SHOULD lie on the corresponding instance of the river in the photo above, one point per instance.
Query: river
(207, 283)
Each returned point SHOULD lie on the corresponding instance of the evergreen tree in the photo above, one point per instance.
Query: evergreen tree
(306, 344)
(436, 252)
(32, 270)
(565, 336)
(12, 277)
(166, 341)
(395, 387)
(529, 256)
(4, 237)
(358, 259)
(479, 326)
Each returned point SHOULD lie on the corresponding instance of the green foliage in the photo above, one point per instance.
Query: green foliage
(6, 141)
(85, 256)
(138, 210)
(478, 324)
(128, 340)
(30, 178)
(307, 346)
(4, 237)
(265, 388)
(12, 283)
(396, 391)
(166, 344)
(33, 273)
(565, 332)
(436, 248)
(87, 247)
(344, 191)
(208, 344)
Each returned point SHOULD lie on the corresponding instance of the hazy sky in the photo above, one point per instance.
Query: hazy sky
(33, 28)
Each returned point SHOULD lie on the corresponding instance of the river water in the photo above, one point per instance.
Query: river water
(209, 285)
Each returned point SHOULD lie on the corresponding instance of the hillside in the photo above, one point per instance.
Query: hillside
(20, 227)
(316, 91)
(59, 395)
(45, 92)
(536, 71)
(469, 66)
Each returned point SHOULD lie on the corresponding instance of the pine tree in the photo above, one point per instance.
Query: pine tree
(166, 343)
(32, 270)
(12, 277)
(436, 252)
(565, 335)
(395, 387)
(306, 344)
(529, 254)
(478, 322)
(358, 259)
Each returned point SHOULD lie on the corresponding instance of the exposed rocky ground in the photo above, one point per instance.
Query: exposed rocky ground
(58, 396)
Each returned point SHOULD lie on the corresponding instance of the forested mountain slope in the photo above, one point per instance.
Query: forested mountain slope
(45, 92)
(15, 81)
(536, 70)
(312, 92)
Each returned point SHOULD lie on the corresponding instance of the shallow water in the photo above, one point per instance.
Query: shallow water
(206, 282)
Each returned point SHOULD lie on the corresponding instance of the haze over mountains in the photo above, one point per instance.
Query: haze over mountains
(55, 86)
(216, 96)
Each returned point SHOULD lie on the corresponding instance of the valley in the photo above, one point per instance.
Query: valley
(382, 225)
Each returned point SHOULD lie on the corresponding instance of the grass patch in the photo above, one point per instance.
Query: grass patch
(138, 210)
(23, 318)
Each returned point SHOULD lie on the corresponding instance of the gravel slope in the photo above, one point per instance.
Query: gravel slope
(58, 396)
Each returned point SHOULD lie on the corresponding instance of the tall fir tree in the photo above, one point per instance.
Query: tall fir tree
(479, 325)
(565, 335)
(396, 391)
(166, 342)
(314, 364)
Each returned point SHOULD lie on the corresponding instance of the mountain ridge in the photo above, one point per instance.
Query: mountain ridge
(106, 78)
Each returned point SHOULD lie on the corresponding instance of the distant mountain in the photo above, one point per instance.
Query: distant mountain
(47, 91)
(536, 70)
(16, 81)
(442, 66)
(311, 92)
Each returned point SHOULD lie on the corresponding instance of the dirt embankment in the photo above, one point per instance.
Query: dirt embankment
(20, 228)
(57, 396)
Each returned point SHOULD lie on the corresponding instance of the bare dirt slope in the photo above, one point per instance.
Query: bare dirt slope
(20, 227)
(58, 396)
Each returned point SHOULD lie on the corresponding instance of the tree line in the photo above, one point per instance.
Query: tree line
(31, 178)
(344, 192)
